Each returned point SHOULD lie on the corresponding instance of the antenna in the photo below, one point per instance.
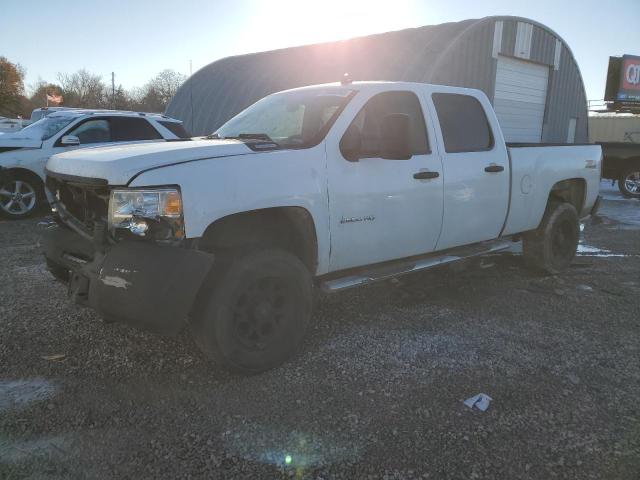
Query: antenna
(113, 90)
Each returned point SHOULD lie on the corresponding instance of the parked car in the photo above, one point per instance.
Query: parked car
(8, 125)
(24, 154)
(326, 187)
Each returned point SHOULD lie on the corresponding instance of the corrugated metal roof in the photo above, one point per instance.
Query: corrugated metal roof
(456, 53)
(227, 86)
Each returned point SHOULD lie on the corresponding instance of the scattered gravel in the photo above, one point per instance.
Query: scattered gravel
(376, 392)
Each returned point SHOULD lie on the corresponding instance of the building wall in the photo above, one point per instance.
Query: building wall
(470, 63)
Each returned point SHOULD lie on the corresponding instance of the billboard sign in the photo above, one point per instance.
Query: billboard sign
(623, 79)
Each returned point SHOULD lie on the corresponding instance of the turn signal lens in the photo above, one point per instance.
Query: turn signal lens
(173, 204)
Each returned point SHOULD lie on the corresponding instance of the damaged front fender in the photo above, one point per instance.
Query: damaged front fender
(149, 286)
(145, 285)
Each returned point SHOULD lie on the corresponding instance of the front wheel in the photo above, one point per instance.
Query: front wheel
(552, 246)
(256, 310)
(629, 182)
(20, 196)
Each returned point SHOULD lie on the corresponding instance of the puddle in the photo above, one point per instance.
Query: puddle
(590, 251)
(16, 394)
(286, 448)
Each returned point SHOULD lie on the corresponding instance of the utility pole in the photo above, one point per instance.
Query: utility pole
(113, 91)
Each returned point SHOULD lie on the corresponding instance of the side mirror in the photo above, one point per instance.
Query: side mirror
(395, 137)
(69, 141)
(351, 143)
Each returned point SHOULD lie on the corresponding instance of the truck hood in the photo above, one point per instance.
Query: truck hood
(6, 141)
(119, 163)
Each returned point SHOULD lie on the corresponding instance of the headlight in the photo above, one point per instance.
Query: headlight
(155, 213)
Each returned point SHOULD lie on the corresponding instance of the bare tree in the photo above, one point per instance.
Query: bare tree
(164, 86)
(83, 89)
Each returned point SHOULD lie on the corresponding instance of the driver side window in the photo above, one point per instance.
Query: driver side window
(369, 121)
(92, 131)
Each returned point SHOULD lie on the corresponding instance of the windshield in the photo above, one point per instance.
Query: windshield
(44, 128)
(296, 119)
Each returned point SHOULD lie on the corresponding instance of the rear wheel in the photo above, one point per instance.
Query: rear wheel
(256, 310)
(552, 246)
(629, 182)
(20, 195)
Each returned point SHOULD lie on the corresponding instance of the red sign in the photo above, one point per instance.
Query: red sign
(630, 73)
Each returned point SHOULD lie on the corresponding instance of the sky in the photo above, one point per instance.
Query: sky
(138, 38)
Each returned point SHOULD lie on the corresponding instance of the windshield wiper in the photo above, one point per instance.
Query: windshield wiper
(255, 136)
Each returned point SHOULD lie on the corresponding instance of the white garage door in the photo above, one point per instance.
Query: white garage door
(520, 97)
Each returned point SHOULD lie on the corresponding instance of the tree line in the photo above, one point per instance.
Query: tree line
(82, 89)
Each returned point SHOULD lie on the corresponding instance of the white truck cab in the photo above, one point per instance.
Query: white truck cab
(324, 187)
(24, 153)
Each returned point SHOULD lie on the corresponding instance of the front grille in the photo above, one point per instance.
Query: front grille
(86, 202)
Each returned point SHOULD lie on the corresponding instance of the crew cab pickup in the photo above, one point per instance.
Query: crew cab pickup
(318, 188)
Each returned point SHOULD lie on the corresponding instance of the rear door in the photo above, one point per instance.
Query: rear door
(133, 129)
(476, 169)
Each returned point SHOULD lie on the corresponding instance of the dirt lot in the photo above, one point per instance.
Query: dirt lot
(376, 393)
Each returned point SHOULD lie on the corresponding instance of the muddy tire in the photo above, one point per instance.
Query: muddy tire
(552, 246)
(629, 182)
(253, 314)
(21, 195)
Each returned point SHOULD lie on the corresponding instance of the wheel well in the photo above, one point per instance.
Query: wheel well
(289, 228)
(23, 172)
(572, 191)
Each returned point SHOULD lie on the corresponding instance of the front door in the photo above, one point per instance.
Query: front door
(383, 209)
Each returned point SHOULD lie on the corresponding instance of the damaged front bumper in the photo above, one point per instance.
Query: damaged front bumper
(148, 286)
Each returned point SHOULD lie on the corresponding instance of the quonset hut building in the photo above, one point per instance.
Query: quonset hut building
(526, 70)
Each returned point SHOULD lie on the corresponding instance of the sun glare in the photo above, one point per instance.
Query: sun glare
(288, 23)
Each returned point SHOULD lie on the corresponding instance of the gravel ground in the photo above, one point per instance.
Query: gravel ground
(376, 392)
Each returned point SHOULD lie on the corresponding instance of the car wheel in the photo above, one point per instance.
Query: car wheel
(552, 246)
(629, 182)
(254, 312)
(20, 196)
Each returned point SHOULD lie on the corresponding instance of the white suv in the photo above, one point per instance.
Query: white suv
(24, 154)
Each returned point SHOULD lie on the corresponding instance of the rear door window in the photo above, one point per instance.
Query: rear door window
(369, 121)
(463, 123)
(131, 129)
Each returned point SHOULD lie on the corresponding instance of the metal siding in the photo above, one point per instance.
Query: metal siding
(542, 46)
(458, 53)
(566, 100)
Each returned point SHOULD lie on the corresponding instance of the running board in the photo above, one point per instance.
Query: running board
(388, 271)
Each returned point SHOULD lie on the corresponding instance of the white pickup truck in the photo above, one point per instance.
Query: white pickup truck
(318, 188)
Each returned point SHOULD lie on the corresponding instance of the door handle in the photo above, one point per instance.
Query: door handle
(494, 168)
(426, 175)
